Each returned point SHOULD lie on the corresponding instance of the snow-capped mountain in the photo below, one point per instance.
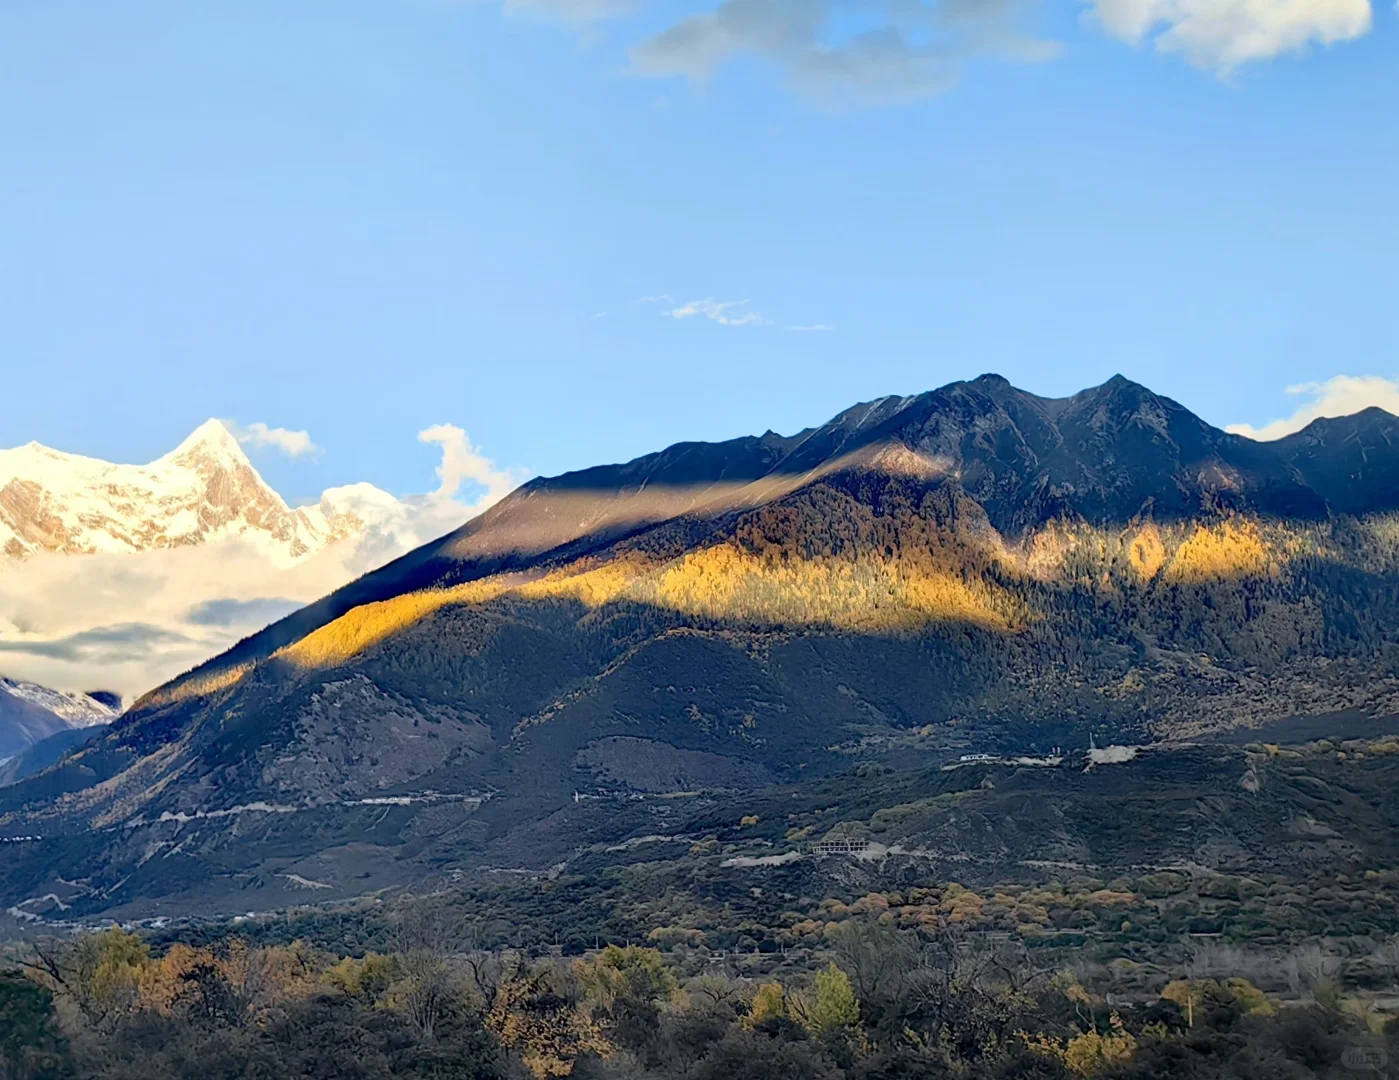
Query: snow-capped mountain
(204, 490)
(30, 714)
(76, 710)
(125, 575)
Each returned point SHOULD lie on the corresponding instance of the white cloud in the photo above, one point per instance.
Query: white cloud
(877, 51)
(128, 622)
(578, 12)
(464, 463)
(1221, 35)
(816, 328)
(294, 444)
(725, 313)
(663, 298)
(898, 51)
(1343, 395)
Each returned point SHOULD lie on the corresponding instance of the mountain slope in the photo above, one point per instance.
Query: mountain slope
(1351, 458)
(46, 752)
(973, 568)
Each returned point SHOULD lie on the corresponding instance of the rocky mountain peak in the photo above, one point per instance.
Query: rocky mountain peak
(204, 490)
(210, 445)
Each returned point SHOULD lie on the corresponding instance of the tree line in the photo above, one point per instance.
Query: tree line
(879, 1004)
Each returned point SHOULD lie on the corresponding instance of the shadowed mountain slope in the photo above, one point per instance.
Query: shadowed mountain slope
(46, 752)
(971, 568)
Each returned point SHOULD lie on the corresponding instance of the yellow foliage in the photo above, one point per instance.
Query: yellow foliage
(369, 624)
(1147, 553)
(169, 982)
(1227, 551)
(194, 685)
(368, 979)
(1196, 993)
(543, 1027)
(961, 906)
(261, 976)
(675, 935)
(591, 583)
(1091, 1052)
(594, 587)
(769, 1003)
(947, 598)
(114, 974)
(115, 968)
(1254, 1001)
(832, 1004)
(283, 971)
(1107, 898)
(1066, 982)
(1031, 913)
(619, 973)
(725, 581)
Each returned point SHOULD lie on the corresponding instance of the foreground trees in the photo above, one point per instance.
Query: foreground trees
(31, 1045)
(885, 1005)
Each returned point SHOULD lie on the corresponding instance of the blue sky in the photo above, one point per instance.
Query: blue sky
(361, 218)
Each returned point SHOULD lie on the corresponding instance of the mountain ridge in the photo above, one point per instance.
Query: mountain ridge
(975, 567)
(461, 556)
(770, 451)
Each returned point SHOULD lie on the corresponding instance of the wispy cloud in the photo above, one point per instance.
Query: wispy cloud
(1221, 35)
(294, 444)
(227, 611)
(723, 312)
(120, 642)
(577, 12)
(1342, 395)
(890, 51)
